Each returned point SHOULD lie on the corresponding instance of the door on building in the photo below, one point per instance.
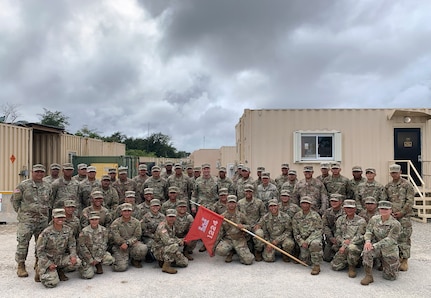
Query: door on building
(407, 146)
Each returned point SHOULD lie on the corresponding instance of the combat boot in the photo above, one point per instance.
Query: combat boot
(368, 276)
(21, 272)
(36, 274)
(136, 263)
(315, 270)
(99, 269)
(229, 257)
(203, 248)
(258, 256)
(188, 256)
(352, 271)
(404, 266)
(61, 275)
(286, 259)
(168, 269)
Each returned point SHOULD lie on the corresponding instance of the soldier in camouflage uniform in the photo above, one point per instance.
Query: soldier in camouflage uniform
(237, 175)
(182, 182)
(140, 180)
(350, 239)
(136, 210)
(205, 191)
(56, 250)
(125, 233)
(324, 170)
(112, 173)
(71, 220)
(277, 229)
(65, 188)
(313, 188)
(167, 172)
(158, 184)
(105, 216)
(242, 182)
(220, 207)
(145, 205)
(286, 205)
(307, 232)
(258, 180)
(401, 194)
(32, 201)
(82, 172)
(189, 172)
(290, 183)
(370, 188)
(87, 186)
(267, 191)
(337, 183)
(329, 218)
(123, 184)
(232, 239)
(182, 226)
(92, 247)
(370, 209)
(196, 172)
(55, 171)
(280, 180)
(225, 182)
(173, 199)
(150, 221)
(167, 246)
(356, 180)
(110, 195)
(381, 242)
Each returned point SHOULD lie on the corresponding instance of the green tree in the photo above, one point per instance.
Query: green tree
(88, 133)
(57, 119)
(116, 137)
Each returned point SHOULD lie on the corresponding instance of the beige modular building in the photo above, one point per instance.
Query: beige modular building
(223, 157)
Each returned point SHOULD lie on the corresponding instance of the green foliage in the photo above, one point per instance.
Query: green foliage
(88, 133)
(57, 119)
(136, 152)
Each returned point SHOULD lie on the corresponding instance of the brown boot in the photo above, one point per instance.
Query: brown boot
(286, 259)
(404, 265)
(21, 272)
(99, 269)
(36, 274)
(315, 270)
(136, 263)
(368, 276)
(352, 271)
(229, 257)
(258, 256)
(168, 269)
(61, 275)
(188, 256)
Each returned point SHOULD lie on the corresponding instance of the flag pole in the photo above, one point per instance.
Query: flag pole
(260, 238)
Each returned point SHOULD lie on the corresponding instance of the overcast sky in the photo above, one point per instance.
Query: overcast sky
(189, 68)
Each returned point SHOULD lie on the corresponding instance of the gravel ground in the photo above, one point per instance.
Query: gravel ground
(212, 277)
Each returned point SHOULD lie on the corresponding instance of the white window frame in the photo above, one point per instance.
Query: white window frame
(336, 145)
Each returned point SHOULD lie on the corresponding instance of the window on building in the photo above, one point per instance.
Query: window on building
(317, 146)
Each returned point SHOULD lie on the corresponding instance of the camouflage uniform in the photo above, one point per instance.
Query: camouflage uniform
(328, 220)
(226, 183)
(339, 185)
(205, 191)
(105, 216)
(32, 201)
(240, 185)
(353, 230)
(127, 232)
(168, 205)
(136, 212)
(321, 178)
(314, 189)
(85, 189)
(122, 186)
(145, 208)
(280, 180)
(150, 222)
(267, 193)
(159, 186)
(55, 247)
(401, 194)
(367, 216)
(63, 190)
(253, 209)
(49, 179)
(74, 224)
(166, 246)
(79, 178)
(139, 180)
(383, 236)
(232, 238)
(182, 227)
(184, 185)
(369, 189)
(111, 199)
(276, 228)
(354, 184)
(307, 228)
(92, 246)
(218, 207)
(289, 208)
(291, 188)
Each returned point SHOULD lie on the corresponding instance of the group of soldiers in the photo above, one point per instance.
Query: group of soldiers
(120, 221)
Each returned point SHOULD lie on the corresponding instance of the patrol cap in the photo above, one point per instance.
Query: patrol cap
(94, 215)
(308, 169)
(171, 213)
(142, 167)
(105, 177)
(336, 197)
(245, 169)
(335, 165)
(82, 166)
(155, 169)
(130, 194)
(231, 198)
(223, 191)
(69, 203)
(285, 192)
(122, 170)
(197, 169)
(68, 166)
(173, 189)
(178, 166)
(58, 212)
(112, 171)
(394, 168)
(240, 166)
(324, 165)
(385, 205)
(97, 194)
(349, 204)
(55, 166)
(284, 165)
(292, 172)
(38, 167)
(169, 163)
(305, 199)
(260, 169)
(265, 175)
(91, 169)
(148, 190)
(222, 169)
(182, 203)
(206, 165)
(370, 200)
(126, 206)
(189, 167)
(155, 202)
(272, 202)
(357, 169)
(371, 170)
(249, 187)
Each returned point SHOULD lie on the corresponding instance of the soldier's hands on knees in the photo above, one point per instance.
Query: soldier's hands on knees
(52, 267)
(368, 246)
(73, 260)
(304, 245)
(124, 246)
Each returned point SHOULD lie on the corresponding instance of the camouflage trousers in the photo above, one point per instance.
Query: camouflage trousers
(404, 240)
(253, 243)
(313, 253)
(240, 246)
(350, 256)
(137, 251)
(149, 242)
(390, 261)
(329, 250)
(50, 279)
(87, 270)
(287, 245)
(25, 231)
(190, 246)
(171, 253)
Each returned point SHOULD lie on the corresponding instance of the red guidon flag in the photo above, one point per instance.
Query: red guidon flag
(206, 226)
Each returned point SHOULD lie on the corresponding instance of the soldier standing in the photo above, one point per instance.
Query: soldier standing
(86, 186)
(182, 182)
(286, 205)
(290, 183)
(369, 188)
(205, 191)
(324, 170)
(220, 207)
(266, 190)
(82, 172)
(370, 209)
(225, 182)
(105, 216)
(280, 180)
(337, 183)
(240, 183)
(55, 171)
(65, 188)
(110, 195)
(140, 180)
(123, 184)
(158, 184)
